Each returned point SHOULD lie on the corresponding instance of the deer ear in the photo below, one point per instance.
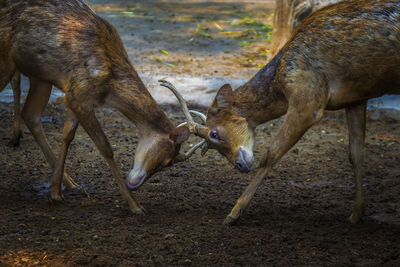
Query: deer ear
(180, 135)
(224, 97)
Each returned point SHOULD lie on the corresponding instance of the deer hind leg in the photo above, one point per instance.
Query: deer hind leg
(356, 123)
(16, 86)
(70, 126)
(32, 111)
(86, 116)
(9, 74)
(6, 73)
(302, 114)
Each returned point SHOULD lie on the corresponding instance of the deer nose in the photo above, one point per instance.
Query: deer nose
(243, 161)
(242, 166)
(135, 183)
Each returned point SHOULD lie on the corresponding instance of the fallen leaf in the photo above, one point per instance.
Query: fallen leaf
(126, 13)
(164, 63)
(218, 27)
(391, 143)
(164, 51)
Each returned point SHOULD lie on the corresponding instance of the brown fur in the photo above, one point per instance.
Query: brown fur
(339, 57)
(64, 43)
(288, 15)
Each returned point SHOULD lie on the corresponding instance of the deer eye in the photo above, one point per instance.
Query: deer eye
(214, 135)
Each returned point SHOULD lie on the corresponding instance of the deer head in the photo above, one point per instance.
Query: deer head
(154, 152)
(228, 131)
(225, 130)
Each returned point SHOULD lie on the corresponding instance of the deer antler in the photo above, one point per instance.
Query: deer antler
(204, 144)
(194, 127)
(197, 113)
(191, 124)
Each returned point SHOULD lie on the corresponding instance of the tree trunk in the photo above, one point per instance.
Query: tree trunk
(288, 16)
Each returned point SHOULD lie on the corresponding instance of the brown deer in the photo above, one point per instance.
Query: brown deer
(339, 57)
(65, 44)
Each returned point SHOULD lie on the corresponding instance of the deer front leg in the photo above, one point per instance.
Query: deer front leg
(300, 117)
(92, 126)
(36, 101)
(356, 123)
(70, 126)
(17, 132)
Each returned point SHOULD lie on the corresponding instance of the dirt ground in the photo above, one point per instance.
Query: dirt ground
(297, 217)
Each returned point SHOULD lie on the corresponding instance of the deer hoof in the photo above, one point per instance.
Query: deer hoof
(230, 220)
(354, 218)
(140, 211)
(56, 198)
(357, 213)
(69, 183)
(13, 143)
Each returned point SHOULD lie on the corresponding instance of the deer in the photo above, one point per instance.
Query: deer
(65, 44)
(338, 58)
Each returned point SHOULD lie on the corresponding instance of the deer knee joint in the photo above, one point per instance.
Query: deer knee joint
(31, 120)
(69, 130)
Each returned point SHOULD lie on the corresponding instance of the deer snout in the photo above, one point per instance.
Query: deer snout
(135, 180)
(244, 160)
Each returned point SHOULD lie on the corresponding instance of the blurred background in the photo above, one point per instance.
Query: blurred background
(201, 45)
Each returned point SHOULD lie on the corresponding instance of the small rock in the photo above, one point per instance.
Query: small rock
(168, 236)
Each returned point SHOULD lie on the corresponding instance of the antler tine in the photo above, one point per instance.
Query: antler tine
(181, 100)
(187, 155)
(182, 124)
(201, 115)
(194, 127)
(202, 144)
(194, 148)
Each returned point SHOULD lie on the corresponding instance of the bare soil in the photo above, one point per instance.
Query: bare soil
(297, 217)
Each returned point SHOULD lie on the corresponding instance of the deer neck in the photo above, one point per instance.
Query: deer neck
(260, 99)
(133, 100)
